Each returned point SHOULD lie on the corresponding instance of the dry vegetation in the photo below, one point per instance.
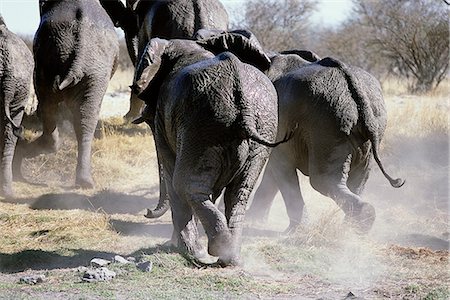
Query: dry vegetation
(53, 228)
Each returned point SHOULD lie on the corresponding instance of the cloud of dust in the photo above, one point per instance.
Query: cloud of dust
(415, 215)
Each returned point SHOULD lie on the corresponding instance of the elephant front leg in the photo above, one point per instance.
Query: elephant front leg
(48, 142)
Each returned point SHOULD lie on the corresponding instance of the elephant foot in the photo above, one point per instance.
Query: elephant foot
(85, 182)
(293, 225)
(362, 220)
(230, 261)
(221, 244)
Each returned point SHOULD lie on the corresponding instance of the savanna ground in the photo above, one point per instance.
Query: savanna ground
(53, 228)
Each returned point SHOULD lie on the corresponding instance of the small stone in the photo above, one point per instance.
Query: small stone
(99, 262)
(121, 260)
(82, 269)
(131, 259)
(145, 266)
(100, 274)
(32, 279)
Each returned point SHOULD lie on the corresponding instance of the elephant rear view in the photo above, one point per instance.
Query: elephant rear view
(169, 19)
(214, 118)
(342, 117)
(16, 70)
(76, 51)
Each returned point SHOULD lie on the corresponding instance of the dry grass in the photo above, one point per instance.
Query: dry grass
(55, 226)
(414, 115)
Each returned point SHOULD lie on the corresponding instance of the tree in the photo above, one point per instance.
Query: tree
(412, 35)
(279, 24)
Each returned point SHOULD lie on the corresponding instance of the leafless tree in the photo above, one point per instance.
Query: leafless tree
(412, 35)
(279, 24)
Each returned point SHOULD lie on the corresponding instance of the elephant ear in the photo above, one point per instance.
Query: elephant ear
(241, 43)
(148, 67)
(305, 54)
(2, 22)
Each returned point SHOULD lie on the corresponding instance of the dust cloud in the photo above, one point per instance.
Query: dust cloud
(415, 215)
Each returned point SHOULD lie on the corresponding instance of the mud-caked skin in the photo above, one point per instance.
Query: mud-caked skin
(76, 51)
(16, 70)
(212, 115)
(341, 119)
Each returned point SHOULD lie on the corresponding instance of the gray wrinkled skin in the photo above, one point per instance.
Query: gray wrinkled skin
(168, 19)
(341, 116)
(16, 70)
(208, 112)
(76, 50)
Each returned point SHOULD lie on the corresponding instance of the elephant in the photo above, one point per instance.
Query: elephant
(70, 67)
(142, 20)
(216, 41)
(342, 118)
(215, 118)
(16, 72)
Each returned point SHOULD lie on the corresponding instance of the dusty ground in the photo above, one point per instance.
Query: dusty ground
(53, 229)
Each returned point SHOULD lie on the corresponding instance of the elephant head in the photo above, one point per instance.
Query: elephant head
(150, 69)
(289, 60)
(242, 43)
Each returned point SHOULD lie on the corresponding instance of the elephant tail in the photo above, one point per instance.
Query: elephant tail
(161, 209)
(8, 99)
(254, 136)
(397, 182)
(365, 113)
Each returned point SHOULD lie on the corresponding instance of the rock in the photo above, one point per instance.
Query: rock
(119, 259)
(131, 259)
(99, 262)
(32, 279)
(100, 274)
(145, 266)
(351, 296)
(82, 269)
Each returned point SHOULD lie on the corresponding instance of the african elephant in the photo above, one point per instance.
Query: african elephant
(16, 70)
(342, 117)
(76, 51)
(215, 118)
(142, 20)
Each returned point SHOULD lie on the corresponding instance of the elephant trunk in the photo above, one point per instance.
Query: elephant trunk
(160, 210)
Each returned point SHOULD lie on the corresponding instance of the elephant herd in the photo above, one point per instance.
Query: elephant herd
(220, 108)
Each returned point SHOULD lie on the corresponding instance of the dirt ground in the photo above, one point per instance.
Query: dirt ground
(405, 256)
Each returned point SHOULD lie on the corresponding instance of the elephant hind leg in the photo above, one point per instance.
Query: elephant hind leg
(331, 181)
(236, 196)
(263, 198)
(85, 105)
(185, 232)
(194, 178)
